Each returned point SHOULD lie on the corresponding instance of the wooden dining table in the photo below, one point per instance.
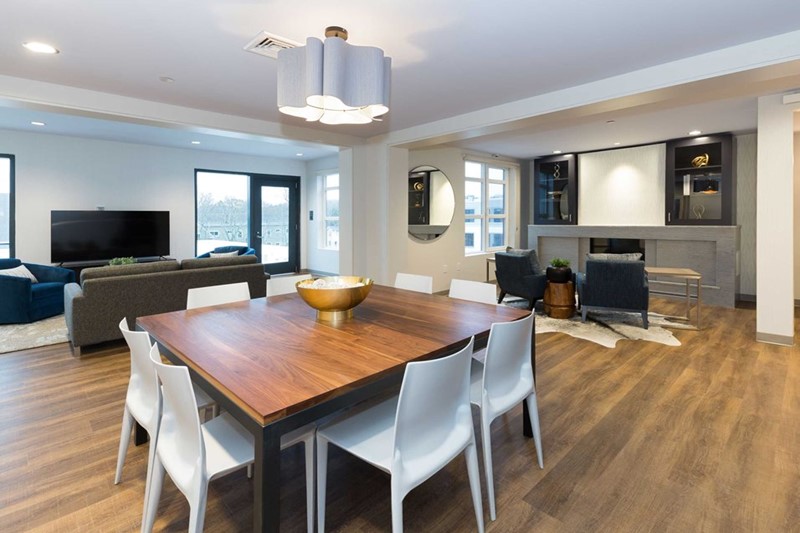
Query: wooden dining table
(275, 367)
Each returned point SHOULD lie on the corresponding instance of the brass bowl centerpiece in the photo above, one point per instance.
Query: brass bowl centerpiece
(334, 297)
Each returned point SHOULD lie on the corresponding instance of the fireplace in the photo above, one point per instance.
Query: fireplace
(616, 246)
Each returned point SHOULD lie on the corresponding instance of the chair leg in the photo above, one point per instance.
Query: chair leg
(156, 481)
(197, 509)
(397, 507)
(475, 482)
(644, 320)
(502, 295)
(322, 479)
(124, 441)
(533, 413)
(151, 458)
(583, 314)
(486, 442)
(309, 446)
(250, 471)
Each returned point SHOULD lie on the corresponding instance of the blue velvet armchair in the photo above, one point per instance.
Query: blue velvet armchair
(22, 301)
(517, 276)
(243, 250)
(610, 284)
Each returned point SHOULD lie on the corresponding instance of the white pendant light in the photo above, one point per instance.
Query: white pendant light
(334, 82)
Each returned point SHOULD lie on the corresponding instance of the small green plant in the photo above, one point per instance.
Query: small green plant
(122, 261)
(559, 262)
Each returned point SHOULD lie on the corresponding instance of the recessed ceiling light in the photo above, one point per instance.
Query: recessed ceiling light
(40, 48)
(37, 123)
(299, 154)
(695, 132)
(617, 144)
(556, 151)
(195, 142)
(166, 79)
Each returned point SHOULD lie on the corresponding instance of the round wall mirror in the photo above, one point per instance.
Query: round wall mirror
(431, 203)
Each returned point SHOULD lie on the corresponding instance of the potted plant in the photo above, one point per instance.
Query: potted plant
(122, 261)
(559, 271)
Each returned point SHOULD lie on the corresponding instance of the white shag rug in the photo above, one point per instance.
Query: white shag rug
(15, 337)
(607, 327)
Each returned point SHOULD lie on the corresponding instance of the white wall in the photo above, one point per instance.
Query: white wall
(317, 257)
(797, 212)
(622, 187)
(59, 172)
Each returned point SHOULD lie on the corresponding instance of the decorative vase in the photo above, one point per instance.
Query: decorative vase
(558, 274)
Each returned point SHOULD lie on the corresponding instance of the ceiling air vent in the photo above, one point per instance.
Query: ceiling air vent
(268, 44)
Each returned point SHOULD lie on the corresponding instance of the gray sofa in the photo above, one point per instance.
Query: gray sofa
(94, 307)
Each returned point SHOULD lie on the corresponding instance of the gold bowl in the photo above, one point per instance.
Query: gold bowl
(335, 303)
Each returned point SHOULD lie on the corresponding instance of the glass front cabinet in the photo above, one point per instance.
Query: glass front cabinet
(701, 187)
(555, 190)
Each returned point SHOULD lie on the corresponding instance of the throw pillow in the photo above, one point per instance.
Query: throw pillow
(532, 257)
(19, 272)
(224, 254)
(633, 256)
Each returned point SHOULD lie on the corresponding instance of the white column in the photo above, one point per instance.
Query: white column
(775, 222)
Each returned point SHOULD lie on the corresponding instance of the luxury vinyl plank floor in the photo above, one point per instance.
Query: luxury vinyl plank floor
(641, 437)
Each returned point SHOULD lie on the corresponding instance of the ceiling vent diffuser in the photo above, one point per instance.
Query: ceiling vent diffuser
(268, 44)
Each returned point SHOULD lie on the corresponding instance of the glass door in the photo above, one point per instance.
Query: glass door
(275, 222)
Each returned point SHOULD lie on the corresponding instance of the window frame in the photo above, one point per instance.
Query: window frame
(11, 206)
(485, 215)
(322, 242)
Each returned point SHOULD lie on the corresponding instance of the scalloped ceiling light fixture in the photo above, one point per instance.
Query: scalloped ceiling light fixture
(334, 82)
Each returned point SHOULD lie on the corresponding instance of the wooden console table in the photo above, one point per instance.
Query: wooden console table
(688, 275)
(559, 299)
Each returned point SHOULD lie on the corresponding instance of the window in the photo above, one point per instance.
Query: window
(6, 206)
(222, 210)
(330, 211)
(485, 207)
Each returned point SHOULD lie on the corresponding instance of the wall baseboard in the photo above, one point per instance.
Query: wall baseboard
(745, 297)
(771, 338)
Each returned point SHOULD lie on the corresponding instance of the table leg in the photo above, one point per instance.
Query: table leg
(526, 419)
(266, 481)
(698, 304)
(688, 302)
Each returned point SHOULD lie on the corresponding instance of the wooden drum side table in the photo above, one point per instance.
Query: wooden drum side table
(559, 299)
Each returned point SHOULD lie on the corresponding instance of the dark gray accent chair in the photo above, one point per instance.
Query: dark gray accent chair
(618, 285)
(516, 276)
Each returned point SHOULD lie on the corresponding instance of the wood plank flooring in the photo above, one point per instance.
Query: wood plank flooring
(643, 437)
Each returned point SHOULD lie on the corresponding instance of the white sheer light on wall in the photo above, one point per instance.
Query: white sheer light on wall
(334, 82)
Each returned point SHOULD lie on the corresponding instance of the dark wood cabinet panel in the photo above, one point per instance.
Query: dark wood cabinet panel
(701, 184)
(555, 190)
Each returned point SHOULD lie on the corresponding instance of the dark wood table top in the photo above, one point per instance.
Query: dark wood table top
(272, 357)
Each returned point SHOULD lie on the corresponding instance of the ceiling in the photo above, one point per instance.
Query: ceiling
(449, 58)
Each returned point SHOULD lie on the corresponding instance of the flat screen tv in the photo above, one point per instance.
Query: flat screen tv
(77, 236)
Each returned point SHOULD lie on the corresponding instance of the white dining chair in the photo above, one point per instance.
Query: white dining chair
(475, 291)
(277, 285)
(141, 398)
(414, 282)
(217, 295)
(410, 436)
(194, 454)
(501, 383)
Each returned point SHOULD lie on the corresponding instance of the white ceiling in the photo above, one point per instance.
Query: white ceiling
(449, 57)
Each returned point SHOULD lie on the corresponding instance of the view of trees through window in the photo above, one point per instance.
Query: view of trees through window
(5, 206)
(331, 215)
(222, 210)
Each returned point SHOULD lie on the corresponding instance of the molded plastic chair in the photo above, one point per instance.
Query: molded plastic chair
(501, 383)
(414, 282)
(475, 291)
(142, 397)
(194, 454)
(217, 295)
(277, 285)
(412, 436)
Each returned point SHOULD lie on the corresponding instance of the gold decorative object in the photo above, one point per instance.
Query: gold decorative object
(419, 186)
(700, 161)
(334, 304)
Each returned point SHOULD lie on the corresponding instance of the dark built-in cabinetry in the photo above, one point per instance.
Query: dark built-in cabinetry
(700, 188)
(419, 197)
(555, 190)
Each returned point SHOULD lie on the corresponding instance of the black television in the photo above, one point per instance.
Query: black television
(77, 236)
